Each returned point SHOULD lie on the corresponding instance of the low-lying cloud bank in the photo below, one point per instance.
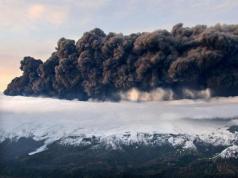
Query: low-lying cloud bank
(182, 63)
(105, 118)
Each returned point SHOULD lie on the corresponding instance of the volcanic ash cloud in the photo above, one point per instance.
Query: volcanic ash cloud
(183, 63)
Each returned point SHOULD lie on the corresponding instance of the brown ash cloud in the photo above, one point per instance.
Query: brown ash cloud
(102, 66)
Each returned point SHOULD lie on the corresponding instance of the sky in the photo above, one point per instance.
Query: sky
(33, 27)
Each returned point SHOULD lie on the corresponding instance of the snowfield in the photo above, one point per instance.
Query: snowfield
(178, 122)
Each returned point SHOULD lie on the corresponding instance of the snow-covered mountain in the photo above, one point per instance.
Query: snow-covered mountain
(181, 123)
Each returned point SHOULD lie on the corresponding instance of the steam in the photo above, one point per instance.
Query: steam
(154, 95)
(201, 94)
(196, 62)
(161, 94)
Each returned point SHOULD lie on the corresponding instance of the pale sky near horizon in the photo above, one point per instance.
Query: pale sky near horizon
(33, 27)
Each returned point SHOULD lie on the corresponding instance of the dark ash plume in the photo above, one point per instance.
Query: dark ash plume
(103, 66)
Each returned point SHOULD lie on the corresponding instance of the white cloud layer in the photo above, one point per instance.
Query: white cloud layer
(111, 118)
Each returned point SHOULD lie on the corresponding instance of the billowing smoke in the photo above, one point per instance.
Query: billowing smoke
(187, 62)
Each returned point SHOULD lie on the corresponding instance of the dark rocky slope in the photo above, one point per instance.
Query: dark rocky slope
(136, 160)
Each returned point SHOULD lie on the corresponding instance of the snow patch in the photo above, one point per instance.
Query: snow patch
(38, 150)
(230, 152)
